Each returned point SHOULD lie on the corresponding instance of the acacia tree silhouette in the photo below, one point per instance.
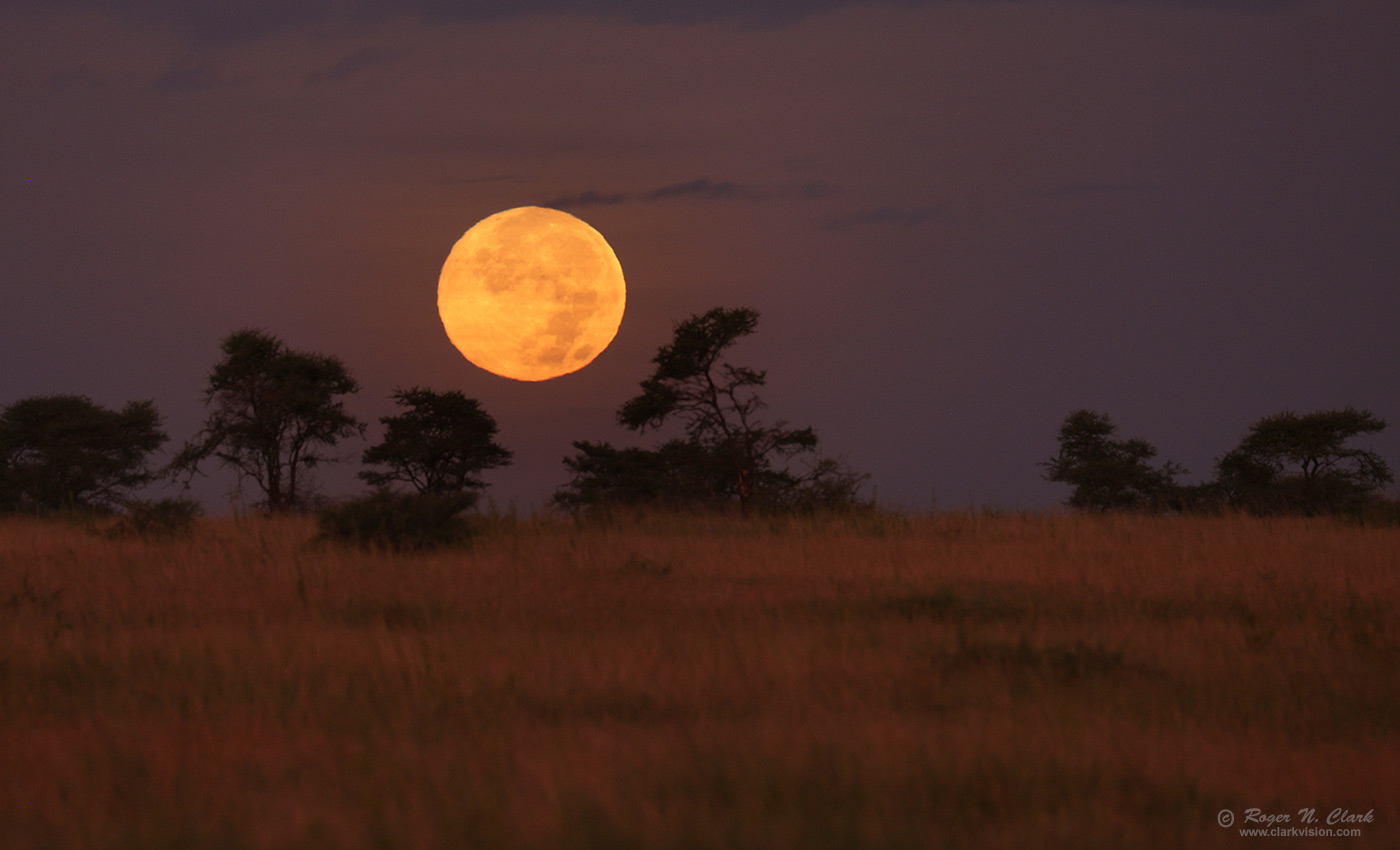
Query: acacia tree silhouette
(67, 451)
(1300, 463)
(272, 413)
(1109, 473)
(718, 405)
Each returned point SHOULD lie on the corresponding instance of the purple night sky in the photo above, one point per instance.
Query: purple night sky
(960, 220)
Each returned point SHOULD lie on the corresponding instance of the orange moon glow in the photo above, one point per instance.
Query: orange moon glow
(531, 294)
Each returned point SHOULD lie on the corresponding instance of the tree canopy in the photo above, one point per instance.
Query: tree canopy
(272, 414)
(728, 450)
(66, 451)
(679, 473)
(1108, 473)
(440, 443)
(715, 401)
(1300, 463)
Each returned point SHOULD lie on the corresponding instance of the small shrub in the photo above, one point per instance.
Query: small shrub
(399, 522)
(1378, 512)
(163, 518)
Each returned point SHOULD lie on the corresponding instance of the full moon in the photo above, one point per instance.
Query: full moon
(531, 294)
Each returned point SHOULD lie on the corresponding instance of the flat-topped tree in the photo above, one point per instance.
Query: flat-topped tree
(66, 451)
(272, 414)
(1301, 463)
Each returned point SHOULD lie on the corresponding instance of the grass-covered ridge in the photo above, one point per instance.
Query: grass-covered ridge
(696, 681)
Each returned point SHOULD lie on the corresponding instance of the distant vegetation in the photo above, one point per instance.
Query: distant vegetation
(1108, 473)
(728, 452)
(272, 414)
(1291, 463)
(67, 453)
(439, 444)
(275, 414)
(399, 522)
(1287, 463)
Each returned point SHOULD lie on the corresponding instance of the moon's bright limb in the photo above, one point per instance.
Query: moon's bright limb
(531, 294)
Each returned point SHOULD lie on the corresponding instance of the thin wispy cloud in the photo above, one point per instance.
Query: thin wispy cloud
(453, 180)
(882, 216)
(356, 63)
(1089, 188)
(700, 189)
(189, 76)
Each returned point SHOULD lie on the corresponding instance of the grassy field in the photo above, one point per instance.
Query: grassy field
(660, 682)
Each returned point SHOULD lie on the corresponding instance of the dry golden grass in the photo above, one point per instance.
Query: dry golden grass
(665, 682)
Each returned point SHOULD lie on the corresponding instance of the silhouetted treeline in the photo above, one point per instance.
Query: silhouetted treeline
(1287, 463)
(274, 414)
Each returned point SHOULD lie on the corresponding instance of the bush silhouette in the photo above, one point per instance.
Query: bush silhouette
(161, 518)
(399, 522)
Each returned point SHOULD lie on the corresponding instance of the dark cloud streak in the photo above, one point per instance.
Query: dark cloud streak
(242, 20)
(590, 198)
(702, 189)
